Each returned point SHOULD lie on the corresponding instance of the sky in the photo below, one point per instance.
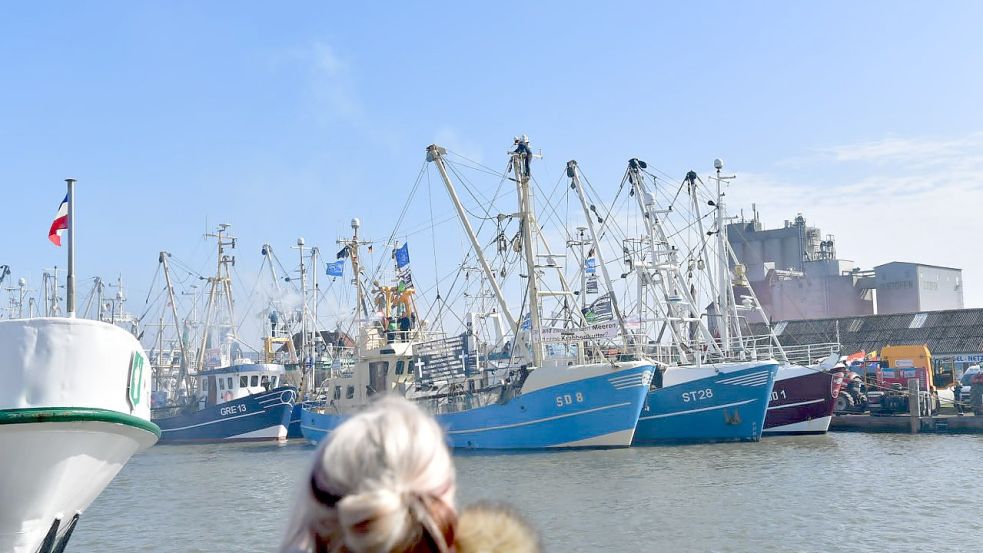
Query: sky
(288, 120)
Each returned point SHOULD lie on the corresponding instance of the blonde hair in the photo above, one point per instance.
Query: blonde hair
(382, 482)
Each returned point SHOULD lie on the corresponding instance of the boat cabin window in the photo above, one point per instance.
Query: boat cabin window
(399, 367)
(254, 380)
(350, 392)
(243, 381)
(204, 384)
(272, 382)
(228, 382)
(221, 384)
(265, 381)
(337, 392)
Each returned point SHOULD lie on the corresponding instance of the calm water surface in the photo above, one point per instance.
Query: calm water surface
(839, 492)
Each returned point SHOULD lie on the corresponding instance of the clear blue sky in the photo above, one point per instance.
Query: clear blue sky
(288, 120)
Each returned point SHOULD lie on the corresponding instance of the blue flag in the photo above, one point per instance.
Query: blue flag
(590, 265)
(403, 255)
(337, 268)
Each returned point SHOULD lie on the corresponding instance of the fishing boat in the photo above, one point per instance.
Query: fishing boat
(702, 391)
(803, 400)
(228, 397)
(74, 407)
(803, 396)
(513, 397)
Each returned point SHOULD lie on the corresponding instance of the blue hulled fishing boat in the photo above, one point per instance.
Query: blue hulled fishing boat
(242, 402)
(712, 403)
(548, 390)
(229, 397)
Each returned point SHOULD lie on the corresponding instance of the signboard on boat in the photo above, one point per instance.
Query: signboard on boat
(444, 360)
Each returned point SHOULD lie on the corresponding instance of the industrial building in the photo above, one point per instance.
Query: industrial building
(909, 287)
(796, 275)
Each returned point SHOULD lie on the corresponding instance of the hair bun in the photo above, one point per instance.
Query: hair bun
(373, 521)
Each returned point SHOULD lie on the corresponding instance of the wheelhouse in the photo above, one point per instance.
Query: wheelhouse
(217, 386)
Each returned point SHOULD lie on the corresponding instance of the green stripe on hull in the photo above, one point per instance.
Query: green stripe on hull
(75, 414)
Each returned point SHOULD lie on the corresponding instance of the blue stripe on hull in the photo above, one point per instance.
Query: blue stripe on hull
(232, 420)
(565, 415)
(723, 407)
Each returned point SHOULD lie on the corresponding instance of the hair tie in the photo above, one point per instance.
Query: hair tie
(323, 496)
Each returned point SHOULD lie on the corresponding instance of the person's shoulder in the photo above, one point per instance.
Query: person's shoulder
(493, 528)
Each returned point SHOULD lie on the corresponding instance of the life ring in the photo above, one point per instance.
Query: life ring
(227, 396)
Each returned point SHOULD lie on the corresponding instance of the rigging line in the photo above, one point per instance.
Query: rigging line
(433, 244)
(152, 283)
(481, 202)
(377, 272)
(151, 306)
(252, 297)
(476, 166)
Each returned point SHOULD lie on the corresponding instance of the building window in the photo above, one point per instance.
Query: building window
(243, 381)
(254, 380)
(350, 392)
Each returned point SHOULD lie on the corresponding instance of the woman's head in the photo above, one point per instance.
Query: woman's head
(383, 481)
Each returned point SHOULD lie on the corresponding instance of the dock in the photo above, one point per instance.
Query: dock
(902, 424)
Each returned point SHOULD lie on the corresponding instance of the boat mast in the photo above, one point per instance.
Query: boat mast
(729, 305)
(303, 315)
(183, 365)
(521, 159)
(435, 155)
(219, 284)
(668, 268)
(316, 335)
(574, 175)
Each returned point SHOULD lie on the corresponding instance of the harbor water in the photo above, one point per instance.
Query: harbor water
(835, 492)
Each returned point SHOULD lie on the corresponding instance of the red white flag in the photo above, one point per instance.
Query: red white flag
(60, 224)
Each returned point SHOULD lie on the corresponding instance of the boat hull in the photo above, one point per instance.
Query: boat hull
(56, 468)
(802, 401)
(596, 412)
(74, 406)
(724, 403)
(257, 417)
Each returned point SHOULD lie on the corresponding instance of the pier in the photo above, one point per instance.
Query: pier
(901, 424)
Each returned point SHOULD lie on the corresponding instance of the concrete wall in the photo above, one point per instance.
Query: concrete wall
(939, 288)
(910, 287)
(897, 288)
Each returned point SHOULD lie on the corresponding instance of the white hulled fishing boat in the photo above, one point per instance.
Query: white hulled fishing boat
(74, 407)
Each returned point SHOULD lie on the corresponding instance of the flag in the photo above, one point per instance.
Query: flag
(526, 322)
(337, 268)
(600, 311)
(60, 224)
(590, 265)
(403, 255)
(345, 252)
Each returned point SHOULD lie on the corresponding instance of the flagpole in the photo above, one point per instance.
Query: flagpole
(70, 284)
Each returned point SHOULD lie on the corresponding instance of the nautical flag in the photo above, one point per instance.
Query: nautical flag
(590, 265)
(402, 255)
(337, 268)
(345, 252)
(600, 311)
(60, 224)
(526, 322)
